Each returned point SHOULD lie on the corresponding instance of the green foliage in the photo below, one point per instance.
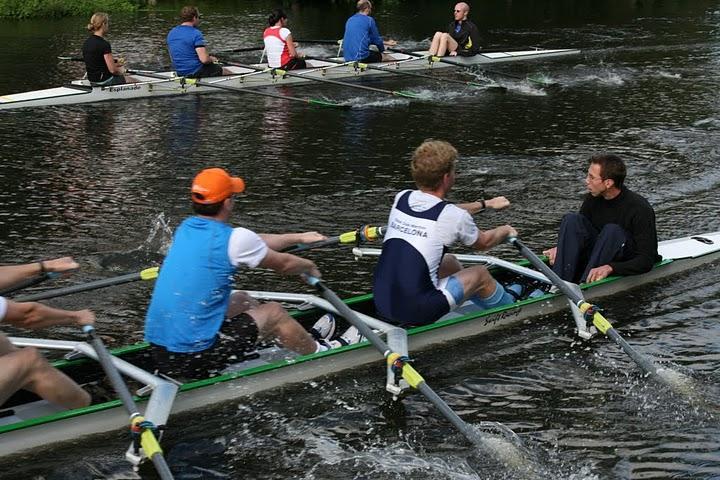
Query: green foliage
(61, 8)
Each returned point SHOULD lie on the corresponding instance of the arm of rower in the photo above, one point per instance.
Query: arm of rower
(287, 264)
(490, 238)
(35, 315)
(114, 68)
(282, 241)
(496, 203)
(291, 46)
(13, 274)
(204, 56)
(375, 38)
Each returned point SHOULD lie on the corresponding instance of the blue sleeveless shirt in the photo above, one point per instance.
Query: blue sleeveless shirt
(192, 292)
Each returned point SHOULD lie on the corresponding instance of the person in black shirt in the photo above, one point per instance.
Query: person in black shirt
(614, 232)
(462, 37)
(101, 68)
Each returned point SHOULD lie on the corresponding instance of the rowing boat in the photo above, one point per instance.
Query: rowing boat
(27, 423)
(81, 91)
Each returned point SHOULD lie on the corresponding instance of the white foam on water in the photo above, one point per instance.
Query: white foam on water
(398, 458)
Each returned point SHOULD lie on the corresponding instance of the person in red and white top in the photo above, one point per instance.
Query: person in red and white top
(279, 45)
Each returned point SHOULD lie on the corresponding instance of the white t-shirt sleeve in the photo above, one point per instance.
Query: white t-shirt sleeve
(284, 32)
(246, 248)
(457, 225)
(3, 308)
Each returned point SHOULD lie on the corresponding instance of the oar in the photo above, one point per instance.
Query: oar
(242, 49)
(321, 42)
(148, 441)
(283, 73)
(30, 282)
(433, 58)
(389, 69)
(401, 364)
(672, 378)
(201, 83)
(362, 234)
(147, 274)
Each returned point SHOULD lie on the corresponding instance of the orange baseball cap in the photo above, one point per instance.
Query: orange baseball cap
(213, 185)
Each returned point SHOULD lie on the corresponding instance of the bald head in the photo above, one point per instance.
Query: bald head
(461, 11)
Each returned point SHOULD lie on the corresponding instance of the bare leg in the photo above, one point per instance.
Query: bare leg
(240, 302)
(450, 44)
(449, 266)
(435, 44)
(27, 369)
(274, 322)
(476, 281)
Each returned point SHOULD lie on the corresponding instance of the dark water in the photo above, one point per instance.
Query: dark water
(107, 183)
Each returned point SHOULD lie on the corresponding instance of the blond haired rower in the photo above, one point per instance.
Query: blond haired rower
(102, 68)
(415, 283)
(462, 36)
(25, 368)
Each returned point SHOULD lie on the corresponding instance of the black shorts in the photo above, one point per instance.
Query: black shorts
(373, 57)
(237, 342)
(208, 70)
(294, 64)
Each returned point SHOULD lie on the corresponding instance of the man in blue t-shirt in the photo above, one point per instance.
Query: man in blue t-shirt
(188, 50)
(195, 323)
(360, 32)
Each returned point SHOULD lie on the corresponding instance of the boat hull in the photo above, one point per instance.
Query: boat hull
(81, 92)
(198, 395)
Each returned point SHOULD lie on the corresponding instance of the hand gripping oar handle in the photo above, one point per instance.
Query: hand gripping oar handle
(147, 274)
(149, 443)
(410, 375)
(589, 310)
(363, 234)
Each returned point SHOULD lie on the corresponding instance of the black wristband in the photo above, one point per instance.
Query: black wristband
(42, 267)
(482, 204)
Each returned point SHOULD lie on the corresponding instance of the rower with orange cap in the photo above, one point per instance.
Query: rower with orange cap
(194, 323)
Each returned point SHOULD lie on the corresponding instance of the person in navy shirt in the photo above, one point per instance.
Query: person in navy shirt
(188, 50)
(462, 36)
(614, 232)
(361, 31)
(415, 282)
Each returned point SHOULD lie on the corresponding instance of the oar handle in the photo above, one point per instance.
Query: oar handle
(146, 274)
(366, 233)
(30, 282)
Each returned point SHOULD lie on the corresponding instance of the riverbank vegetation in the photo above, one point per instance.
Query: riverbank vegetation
(61, 8)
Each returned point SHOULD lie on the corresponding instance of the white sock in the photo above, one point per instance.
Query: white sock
(319, 347)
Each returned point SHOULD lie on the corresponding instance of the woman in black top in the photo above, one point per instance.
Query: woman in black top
(102, 69)
(462, 37)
